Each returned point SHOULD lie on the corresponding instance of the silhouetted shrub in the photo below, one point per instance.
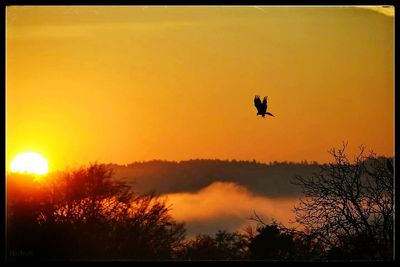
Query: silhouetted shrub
(276, 242)
(223, 246)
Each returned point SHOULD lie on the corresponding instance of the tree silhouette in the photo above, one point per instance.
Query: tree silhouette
(348, 206)
(86, 214)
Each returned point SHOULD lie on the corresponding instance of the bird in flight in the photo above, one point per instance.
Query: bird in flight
(261, 106)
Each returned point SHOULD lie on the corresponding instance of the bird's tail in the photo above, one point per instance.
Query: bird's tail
(269, 114)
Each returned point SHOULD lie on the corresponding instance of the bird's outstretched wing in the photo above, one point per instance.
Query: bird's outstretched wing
(264, 104)
(257, 103)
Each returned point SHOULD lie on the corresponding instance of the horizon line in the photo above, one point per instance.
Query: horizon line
(309, 162)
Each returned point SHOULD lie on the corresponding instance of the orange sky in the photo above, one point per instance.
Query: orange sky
(121, 84)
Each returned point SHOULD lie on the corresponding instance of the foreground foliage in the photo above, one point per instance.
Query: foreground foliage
(346, 213)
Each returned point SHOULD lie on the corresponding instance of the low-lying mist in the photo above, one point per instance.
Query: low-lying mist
(227, 206)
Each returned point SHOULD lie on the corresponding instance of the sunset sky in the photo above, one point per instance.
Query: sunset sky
(123, 84)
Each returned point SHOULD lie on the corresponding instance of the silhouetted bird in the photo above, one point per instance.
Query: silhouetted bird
(261, 107)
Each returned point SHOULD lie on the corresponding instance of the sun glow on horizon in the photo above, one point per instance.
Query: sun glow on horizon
(29, 162)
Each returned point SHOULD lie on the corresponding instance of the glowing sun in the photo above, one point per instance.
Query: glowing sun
(29, 162)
